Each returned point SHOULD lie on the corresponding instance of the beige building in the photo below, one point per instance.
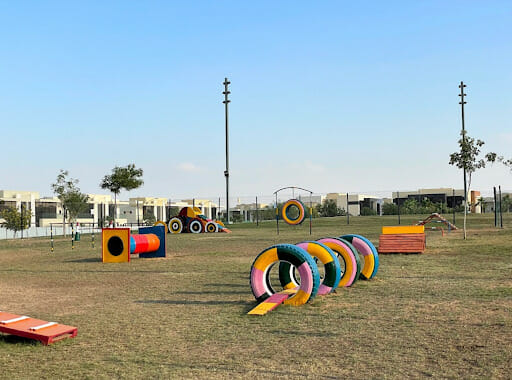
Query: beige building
(356, 202)
(48, 210)
(449, 196)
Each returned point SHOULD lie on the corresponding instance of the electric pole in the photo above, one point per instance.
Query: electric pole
(226, 172)
(462, 102)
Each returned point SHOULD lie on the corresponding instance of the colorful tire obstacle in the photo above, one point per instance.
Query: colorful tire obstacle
(118, 243)
(300, 259)
(31, 328)
(288, 207)
(191, 220)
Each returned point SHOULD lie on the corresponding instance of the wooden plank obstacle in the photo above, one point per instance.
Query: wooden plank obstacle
(402, 239)
(31, 328)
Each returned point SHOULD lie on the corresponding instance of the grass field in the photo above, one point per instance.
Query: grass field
(444, 314)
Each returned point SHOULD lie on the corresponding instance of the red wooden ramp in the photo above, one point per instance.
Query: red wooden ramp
(43, 331)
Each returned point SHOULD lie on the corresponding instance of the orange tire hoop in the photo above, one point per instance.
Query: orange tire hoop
(302, 212)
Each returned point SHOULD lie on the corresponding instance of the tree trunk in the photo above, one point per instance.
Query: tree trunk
(115, 209)
(465, 216)
(64, 221)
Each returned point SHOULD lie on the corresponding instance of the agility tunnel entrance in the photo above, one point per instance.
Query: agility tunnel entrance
(118, 243)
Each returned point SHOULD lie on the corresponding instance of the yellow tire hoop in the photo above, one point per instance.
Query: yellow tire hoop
(161, 223)
(300, 207)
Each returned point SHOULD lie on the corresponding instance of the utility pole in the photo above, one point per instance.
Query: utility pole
(453, 205)
(501, 211)
(398, 204)
(348, 214)
(226, 172)
(462, 102)
(495, 209)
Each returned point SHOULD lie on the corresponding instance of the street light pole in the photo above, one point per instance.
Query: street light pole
(462, 102)
(226, 172)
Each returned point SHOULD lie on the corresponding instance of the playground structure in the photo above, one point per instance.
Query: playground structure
(301, 258)
(294, 205)
(118, 243)
(31, 328)
(402, 239)
(190, 219)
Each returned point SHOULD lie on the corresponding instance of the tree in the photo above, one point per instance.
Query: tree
(149, 218)
(127, 178)
(73, 201)
(76, 203)
(329, 208)
(389, 209)
(467, 159)
(506, 202)
(16, 220)
(493, 157)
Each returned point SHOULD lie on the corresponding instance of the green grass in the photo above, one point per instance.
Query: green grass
(444, 314)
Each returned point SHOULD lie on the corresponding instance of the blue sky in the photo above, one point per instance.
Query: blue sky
(333, 96)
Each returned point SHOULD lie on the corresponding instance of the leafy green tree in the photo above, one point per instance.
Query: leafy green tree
(389, 209)
(149, 218)
(127, 178)
(506, 203)
(467, 159)
(329, 208)
(16, 220)
(72, 199)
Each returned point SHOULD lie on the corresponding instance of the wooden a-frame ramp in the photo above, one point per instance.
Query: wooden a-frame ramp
(439, 218)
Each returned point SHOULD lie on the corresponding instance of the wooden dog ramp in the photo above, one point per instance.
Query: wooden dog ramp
(272, 302)
(31, 328)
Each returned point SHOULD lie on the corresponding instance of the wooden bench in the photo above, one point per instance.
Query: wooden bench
(402, 239)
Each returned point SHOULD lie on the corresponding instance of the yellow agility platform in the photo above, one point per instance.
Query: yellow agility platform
(394, 230)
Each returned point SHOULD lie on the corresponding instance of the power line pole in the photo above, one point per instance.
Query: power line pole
(226, 172)
(462, 102)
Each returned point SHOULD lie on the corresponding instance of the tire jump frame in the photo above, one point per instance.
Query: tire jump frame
(297, 203)
(358, 254)
(118, 243)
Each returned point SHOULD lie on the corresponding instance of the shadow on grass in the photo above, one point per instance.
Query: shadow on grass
(14, 339)
(319, 334)
(86, 260)
(212, 292)
(190, 302)
(232, 369)
(230, 285)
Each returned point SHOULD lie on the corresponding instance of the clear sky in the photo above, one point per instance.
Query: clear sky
(333, 96)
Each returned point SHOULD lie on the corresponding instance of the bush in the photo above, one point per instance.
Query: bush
(389, 209)
(368, 211)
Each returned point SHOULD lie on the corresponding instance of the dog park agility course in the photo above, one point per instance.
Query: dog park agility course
(185, 315)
